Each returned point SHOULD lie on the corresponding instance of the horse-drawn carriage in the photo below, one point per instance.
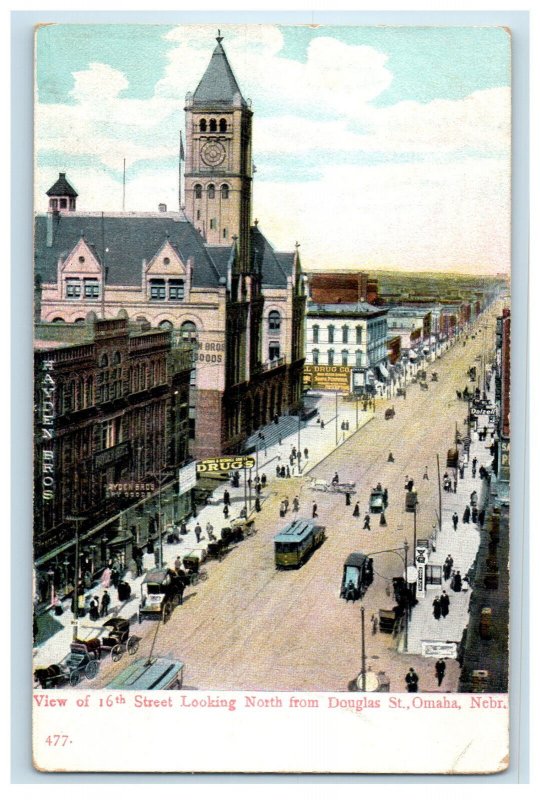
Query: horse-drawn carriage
(194, 572)
(82, 659)
(434, 377)
(117, 638)
(401, 393)
(161, 591)
(421, 375)
(390, 413)
(357, 576)
(424, 386)
(319, 485)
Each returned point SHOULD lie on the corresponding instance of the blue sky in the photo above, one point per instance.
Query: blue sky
(385, 125)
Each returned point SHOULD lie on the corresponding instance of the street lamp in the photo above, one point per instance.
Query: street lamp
(405, 560)
(76, 520)
(50, 573)
(336, 417)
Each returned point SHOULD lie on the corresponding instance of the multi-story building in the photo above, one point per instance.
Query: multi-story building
(341, 286)
(111, 423)
(345, 339)
(205, 272)
(502, 393)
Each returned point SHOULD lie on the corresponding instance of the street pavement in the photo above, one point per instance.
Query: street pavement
(251, 627)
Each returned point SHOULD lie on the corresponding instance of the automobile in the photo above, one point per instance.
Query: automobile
(376, 501)
(357, 576)
(161, 591)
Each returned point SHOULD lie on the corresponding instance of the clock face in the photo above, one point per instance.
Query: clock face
(213, 153)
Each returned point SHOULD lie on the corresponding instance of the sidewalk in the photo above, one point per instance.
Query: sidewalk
(462, 545)
(320, 443)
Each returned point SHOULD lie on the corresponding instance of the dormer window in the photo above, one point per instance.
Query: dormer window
(91, 288)
(157, 289)
(176, 290)
(73, 288)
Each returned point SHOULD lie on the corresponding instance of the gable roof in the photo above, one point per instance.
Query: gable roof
(62, 188)
(218, 84)
(121, 242)
(274, 269)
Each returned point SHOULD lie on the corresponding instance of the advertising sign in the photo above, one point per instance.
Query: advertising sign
(187, 478)
(439, 649)
(325, 377)
(225, 464)
(421, 556)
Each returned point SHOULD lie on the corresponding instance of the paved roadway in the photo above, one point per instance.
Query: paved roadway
(251, 627)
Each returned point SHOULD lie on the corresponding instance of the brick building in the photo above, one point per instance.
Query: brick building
(111, 407)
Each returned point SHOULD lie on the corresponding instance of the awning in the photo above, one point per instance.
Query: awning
(383, 371)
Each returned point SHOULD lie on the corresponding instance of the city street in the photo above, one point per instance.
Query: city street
(252, 627)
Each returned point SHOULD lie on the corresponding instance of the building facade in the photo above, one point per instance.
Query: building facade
(352, 337)
(111, 421)
(204, 272)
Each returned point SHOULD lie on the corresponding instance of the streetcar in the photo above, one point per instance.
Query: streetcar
(295, 543)
(145, 674)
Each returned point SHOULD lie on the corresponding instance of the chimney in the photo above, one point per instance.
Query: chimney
(50, 237)
(162, 208)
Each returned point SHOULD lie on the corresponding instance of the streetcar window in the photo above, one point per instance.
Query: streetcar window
(154, 588)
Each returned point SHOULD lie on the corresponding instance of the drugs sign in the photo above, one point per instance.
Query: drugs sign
(225, 464)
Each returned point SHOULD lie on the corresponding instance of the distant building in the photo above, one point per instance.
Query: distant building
(502, 392)
(111, 405)
(345, 346)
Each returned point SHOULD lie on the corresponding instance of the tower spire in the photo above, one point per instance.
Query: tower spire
(219, 37)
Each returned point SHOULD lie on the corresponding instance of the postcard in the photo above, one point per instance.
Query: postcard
(271, 390)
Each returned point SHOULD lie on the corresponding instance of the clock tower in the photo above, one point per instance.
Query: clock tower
(218, 170)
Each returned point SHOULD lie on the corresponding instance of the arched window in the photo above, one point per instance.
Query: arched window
(116, 358)
(166, 325)
(211, 191)
(315, 334)
(58, 319)
(315, 354)
(104, 362)
(224, 192)
(188, 331)
(198, 191)
(344, 358)
(223, 126)
(330, 358)
(213, 126)
(274, 321)
(202, 126)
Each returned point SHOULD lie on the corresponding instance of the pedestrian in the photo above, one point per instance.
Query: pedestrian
(410, 485)
(293, 453)
(462, 471)
(210, 532)
(445, 604)
(177, 564)
(467, 515)
(481, 517)
(243, 512)
(278, 471)
(474, 515)
(198, 531)
(382, 520)
(283, 472)
(263, 480)
(426, 476)
(314, 511)
(306, 452)
(437, 608)
(456, 584)
(226, 498)
(291, 459)
(322, 424)
(105, 603)
(367, 520)
(347, 498)
(440, 669)
(296, 504)
(282, 509)
(447, 567)
(149, 546)
(390, 458)
(257, 505)
(93, 611)
(411, 679)
(455, 485)
(226, 512)
(288, 472)
(455, 520)
(356, 512)
(335, 479)
(474, 498)
(258, 488)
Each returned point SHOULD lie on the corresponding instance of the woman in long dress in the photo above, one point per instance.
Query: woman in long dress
(106, 578)
(437, 608)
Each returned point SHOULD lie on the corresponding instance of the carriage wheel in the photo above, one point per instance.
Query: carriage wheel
(166, 612)
(116, 652)
(132, 645)
(91, 669)
(194, 579)
(74, 677)
(203, 576)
